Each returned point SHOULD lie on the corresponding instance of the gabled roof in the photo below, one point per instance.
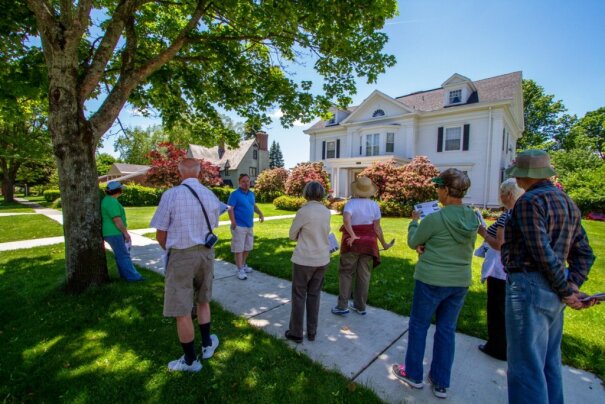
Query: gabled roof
(123, 168)
(323, 124)
(497, 88)
(380, 95)
(233, 156)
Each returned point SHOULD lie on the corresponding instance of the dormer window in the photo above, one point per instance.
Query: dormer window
(377, 113)
(455, 97)
(332, 120)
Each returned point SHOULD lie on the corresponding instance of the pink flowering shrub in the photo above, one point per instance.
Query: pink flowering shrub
(304, 173)
(270, 184)
(406, 185)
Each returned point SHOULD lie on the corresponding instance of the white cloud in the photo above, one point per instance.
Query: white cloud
(298, 123)
(277, 113)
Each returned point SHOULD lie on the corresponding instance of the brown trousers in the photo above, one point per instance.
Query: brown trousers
(306, 291)
(356, 265)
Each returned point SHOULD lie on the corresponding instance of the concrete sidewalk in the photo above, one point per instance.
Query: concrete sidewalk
(362, 348)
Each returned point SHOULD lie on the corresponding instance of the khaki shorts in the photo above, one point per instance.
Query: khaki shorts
(242, 239)
(189, 276)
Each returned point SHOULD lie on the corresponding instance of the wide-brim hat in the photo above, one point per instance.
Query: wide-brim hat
(113, 185)
(531, 164)
(363, 187)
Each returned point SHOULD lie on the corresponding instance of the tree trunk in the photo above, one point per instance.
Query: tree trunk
(8, 190)
(74, 147)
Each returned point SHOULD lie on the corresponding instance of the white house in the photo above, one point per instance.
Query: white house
(466, 124)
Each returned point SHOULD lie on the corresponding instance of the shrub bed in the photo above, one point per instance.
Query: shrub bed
(222, 193)
(51, 194)
(138, 195)
(289, 202)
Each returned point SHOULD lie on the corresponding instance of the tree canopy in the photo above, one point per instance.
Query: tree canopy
(187, 61)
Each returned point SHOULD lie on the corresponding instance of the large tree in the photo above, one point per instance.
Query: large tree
(185, 59)
(542, 114)
(591, 128)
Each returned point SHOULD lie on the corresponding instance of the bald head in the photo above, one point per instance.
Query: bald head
(189, 168)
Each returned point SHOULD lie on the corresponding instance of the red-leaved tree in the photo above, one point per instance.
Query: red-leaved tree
(165, 159)
(304, 173)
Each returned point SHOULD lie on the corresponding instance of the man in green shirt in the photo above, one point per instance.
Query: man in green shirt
(115, 232)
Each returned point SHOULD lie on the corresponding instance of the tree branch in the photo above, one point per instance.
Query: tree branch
(105, 50)
(102, 120)
(45, 17)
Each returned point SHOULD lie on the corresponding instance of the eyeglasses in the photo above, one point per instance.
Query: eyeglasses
(439, 186)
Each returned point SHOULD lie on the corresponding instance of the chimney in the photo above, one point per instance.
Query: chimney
(221, 149)
(262, 138)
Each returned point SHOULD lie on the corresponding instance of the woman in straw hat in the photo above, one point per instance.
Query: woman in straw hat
(361, 232)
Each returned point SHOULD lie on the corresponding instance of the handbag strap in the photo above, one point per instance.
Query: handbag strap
(202, 205)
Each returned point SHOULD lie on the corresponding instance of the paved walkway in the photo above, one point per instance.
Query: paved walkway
(363, 348)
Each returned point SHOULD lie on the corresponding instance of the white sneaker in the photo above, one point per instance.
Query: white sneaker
(208, 351)
(247, 269)
(180, 365)
(241, 274)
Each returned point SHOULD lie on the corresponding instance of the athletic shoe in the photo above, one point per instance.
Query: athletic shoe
(338, 311)
(438, 391)
(180, 365)
(356, 310)
(241, 274)
(399, 371)
(247, 269)
(208, 351)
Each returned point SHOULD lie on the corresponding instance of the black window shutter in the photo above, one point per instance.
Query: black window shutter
(465, 140)
(323, 150)
(337, 148)
(440, 139)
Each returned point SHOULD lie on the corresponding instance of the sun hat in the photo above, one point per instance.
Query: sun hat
(531, 164)
(113, 185)
(363, 187)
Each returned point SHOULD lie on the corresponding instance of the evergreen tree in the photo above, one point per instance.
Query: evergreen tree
(276, 158)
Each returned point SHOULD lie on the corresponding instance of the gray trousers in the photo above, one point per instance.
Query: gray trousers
(356, 265)
(306, 288)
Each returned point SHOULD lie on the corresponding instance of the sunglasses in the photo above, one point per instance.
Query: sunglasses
(439, 186)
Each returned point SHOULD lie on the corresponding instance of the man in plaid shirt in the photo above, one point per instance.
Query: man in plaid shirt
(542, 236)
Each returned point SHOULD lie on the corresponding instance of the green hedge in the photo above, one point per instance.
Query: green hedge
(51, 194)
(222, 193)
(395, 209)
(268, 196)
(289, 202)
(138, 195)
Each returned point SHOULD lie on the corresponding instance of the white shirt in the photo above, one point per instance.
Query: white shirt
(180, 214)
(362, 210)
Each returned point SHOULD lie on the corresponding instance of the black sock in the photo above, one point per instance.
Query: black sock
(189, 349)
(205, 330)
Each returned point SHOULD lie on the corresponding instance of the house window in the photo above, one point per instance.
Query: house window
(255, 154)
(453, 138)
(503, 139)
(252, 171)
(377, 113)
(331, 121)
(372, 144)
(390, 147)
(330, 150)
(455, 96)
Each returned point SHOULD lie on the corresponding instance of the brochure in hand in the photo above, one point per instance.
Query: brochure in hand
(426, 208)
(480, 217)
(598, 296)
(333, 243)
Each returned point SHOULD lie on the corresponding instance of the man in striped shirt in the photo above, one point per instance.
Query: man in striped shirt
(543, 234)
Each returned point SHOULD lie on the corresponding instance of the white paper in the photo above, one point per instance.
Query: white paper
(333, 242)
(480, 217)
(426, 208)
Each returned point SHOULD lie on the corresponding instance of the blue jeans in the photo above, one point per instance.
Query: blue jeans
(123, 261)
(445, 303)
(534, 326)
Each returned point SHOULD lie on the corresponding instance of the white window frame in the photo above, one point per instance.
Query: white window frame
(254, 154)
(333, 143)
(378, 113)
(455, 94)
(372, 144)
(392, 143)
(445, 138)
(252, 171)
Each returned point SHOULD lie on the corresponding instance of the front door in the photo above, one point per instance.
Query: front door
(353, 174)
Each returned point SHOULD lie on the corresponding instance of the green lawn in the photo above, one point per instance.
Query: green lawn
(40, 201)
(392, 284)
(26, 227)
(14, 207)
(139, 217)
(112, 344)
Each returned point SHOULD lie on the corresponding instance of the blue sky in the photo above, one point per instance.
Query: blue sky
(559, 44)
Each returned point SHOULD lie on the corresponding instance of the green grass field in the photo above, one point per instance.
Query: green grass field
(14, 207)
(26, 227)
(112, 344)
